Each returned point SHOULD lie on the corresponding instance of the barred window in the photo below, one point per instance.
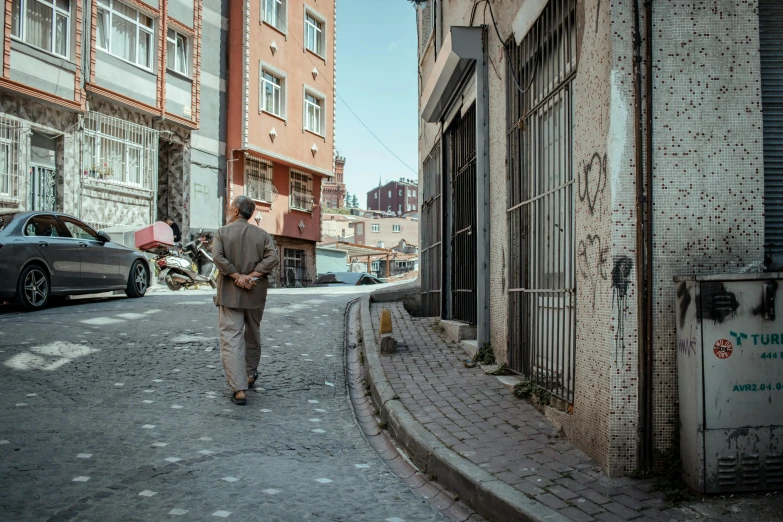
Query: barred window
(12, 164)
(117, 151)
(258, 179)
(301, 191)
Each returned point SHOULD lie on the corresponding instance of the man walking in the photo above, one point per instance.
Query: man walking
(245, 256)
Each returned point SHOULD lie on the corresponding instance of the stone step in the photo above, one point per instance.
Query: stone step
(457, 331)
(470, 346)
(508, 381)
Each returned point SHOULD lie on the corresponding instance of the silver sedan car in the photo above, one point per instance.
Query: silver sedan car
(45, 255)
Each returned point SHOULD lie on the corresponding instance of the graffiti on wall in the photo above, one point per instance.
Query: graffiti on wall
(591, 180)
(592, 258)
(621, 278)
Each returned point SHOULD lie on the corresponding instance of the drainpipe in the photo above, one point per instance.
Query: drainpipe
(644, 266)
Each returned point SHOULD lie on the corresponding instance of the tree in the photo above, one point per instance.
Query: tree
(348, 199)
(355, 202)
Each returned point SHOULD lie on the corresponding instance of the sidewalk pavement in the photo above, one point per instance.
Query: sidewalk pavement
(497, 452)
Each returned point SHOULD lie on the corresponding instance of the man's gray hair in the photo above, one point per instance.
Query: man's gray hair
(245, 205)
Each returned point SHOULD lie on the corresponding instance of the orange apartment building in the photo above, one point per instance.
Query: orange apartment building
(280, 124)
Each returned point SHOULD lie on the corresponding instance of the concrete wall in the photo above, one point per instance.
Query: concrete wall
(124, 78)
(181, 10)
(42, 70)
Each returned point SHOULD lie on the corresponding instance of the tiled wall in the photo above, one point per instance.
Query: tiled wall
(708, 162)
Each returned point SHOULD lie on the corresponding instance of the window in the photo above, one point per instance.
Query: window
(272, 92)
(396, 228)
(43, 226)
(177, 52)
(380, 244)
(399, 192)
(13, 167)
(314, 33)
(5, 168)
(295, 268)
(301, 197)
(376, 266)
(376, 227)
(375, 196)
(258, 179)
(44, 24)
(79, 230)
(117, 151)
(399, 208)
(275, 13)
(314, 112)
(390, 196)
(124, 32)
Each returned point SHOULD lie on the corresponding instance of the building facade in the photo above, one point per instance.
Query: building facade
(280, 137)
(397, 197)
(98, 104)
(611, 147)
(333, 191)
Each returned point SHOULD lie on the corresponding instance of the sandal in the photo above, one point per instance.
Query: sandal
(252, 380)
(238, 401)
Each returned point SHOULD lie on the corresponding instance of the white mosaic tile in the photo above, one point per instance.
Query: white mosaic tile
(176, 370)
(176, 406)
(21, 404)
(220, 513)
(305, 355)
(81, 479)
(4, 442)
(119, 384)
(329, 355)
(314, 420)
(362, 466)
(32, 395)
(395, 519)
(149, 391)
(311, 401)
(160, 444)
(271, 491)
(323, 480)
(147, 401)
(157, 380)
(178, 511)
(230, 479)
(266, 411)
(84, 455)
(147, 493)
(206, 452)
(148, 426)
(319, 410)
(319, 430)
(206, 439)
(329, 384)
(172, 459)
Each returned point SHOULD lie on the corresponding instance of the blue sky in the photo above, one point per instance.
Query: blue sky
(377, 78)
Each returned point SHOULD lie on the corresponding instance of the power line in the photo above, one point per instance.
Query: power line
(291, 33)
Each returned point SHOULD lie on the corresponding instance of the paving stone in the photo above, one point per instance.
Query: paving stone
(621, 510)
(551, 501)
(574, 514)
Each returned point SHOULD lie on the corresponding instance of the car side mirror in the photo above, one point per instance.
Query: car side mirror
(104, 237)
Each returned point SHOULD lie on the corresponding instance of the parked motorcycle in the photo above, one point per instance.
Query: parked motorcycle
(188, 266)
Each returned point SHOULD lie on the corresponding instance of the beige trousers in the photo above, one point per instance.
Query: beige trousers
(240, 343)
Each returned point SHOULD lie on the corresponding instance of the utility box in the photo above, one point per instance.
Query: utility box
(730, 376)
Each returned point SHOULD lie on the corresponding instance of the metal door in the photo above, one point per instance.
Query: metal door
(462, 181)
(540, 195)
(43, 188)
(431, 244)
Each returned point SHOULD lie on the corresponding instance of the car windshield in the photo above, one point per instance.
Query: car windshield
(347, 278)
(5, 220)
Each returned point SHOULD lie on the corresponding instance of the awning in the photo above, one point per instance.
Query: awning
(461, 46)
(354, 250)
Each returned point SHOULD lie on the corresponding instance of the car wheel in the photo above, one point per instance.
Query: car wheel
(138, 280)
(33, 290)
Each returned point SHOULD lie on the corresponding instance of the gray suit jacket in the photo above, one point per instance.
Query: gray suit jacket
(244, 248)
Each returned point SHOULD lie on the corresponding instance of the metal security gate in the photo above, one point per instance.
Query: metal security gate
(431, 244)
(462, 181)
(542, 253)
(771, 48)
(43, 188)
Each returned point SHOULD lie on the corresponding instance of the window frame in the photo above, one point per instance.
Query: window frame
(265, 68)
(397, 228)
(107, 6)
(319, 18)
(65, 220)
(5, 175)
(187, 59)
(309, 91)
(23, 18)
(295, 200)
(375, 227)
(282, 19)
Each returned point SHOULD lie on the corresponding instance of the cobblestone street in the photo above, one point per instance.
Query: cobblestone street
(117, 409)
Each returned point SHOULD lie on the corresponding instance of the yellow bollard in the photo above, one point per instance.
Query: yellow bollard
(386, 324)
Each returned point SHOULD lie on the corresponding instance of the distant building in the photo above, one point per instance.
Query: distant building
(386, 232)
(338, 225)
(333, 192)
(400, 197)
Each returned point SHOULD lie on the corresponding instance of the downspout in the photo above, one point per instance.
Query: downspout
(642, 141)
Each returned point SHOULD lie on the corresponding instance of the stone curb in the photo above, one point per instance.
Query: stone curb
(491, 498)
